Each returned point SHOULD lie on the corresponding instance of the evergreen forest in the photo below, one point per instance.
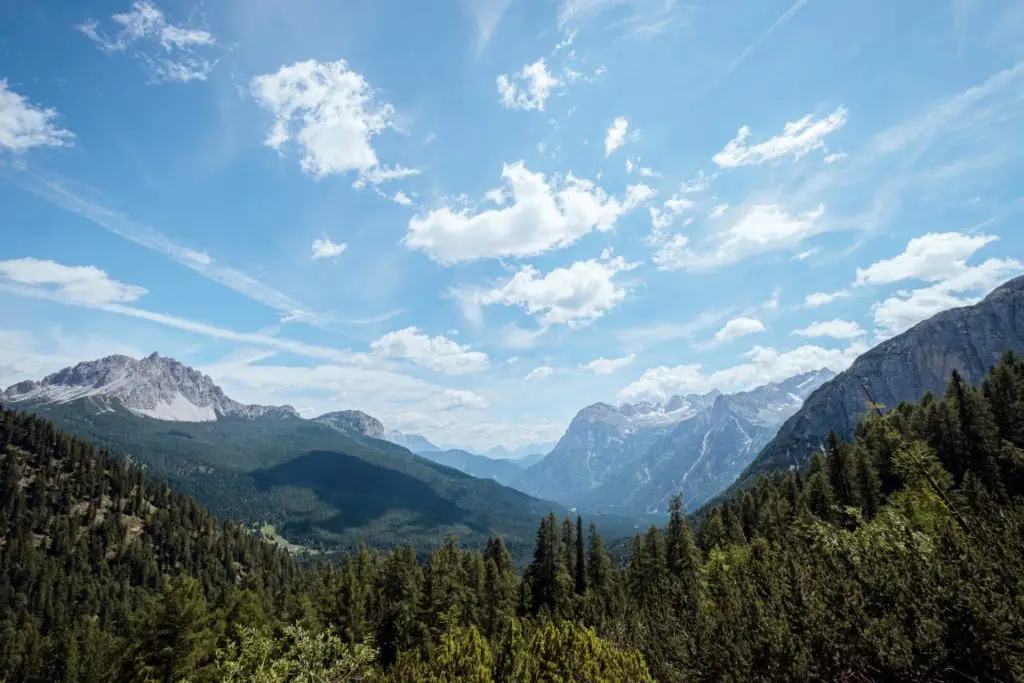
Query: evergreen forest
(895, 557)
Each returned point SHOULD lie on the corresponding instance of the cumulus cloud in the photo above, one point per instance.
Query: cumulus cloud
(437, 353)
(575, 296)
(402, 198)
(762, 228)
(331, 113)
(606, 366)
(940, 260)
(616, 135)
(528, 89)
(325, 248)
(763, 365)
(739, 327)
(798, 138)
(542, 372)
(24, 125)
(905, 309)
(534, 214)
(170, 51)
(819, 299)
(931, 257)
(718, 211)
(836, 329)
(81, 285)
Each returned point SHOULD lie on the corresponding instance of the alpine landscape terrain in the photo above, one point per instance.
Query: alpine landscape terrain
(511, 341)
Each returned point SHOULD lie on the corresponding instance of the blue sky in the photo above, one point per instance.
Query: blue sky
(470, 219)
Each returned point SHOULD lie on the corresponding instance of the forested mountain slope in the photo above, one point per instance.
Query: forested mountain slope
(319, 488)
(969, 340)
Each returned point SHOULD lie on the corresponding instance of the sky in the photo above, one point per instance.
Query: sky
(472, 218)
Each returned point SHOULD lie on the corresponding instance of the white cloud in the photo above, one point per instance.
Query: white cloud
(905, 309)
(450, 399)
(529, 89)
(607, 366)
(804, 255)
(764, 365)
(773, 303)
(575, 296)
(637, 195)
(401, 198)
(836, 329)
(616, 135)
(24, 126)
(383, 174)
(81, 285)
(331, 113)
(798, 138)
(762, 228)
(834, 157)
(542, 215)
(718, 211)
(542, 372)
(663, 217)
(931, 257)
(819, 299)
(698, 183)
(325, 248)
(145, 23)
(739, 327)
(437, 353)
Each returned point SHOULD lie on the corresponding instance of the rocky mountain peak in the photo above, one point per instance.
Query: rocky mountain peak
(354, 422)
(156, 386)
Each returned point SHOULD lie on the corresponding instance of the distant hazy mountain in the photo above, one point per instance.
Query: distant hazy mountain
(505, 472)
(327, 482)
(602, 441)
(705, 453)
(632, 458)
(904, 368)
(526, 451)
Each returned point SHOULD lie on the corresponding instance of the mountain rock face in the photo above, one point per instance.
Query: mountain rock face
(705, 453)
(357, 424)
(354, 423)
(601, 443)
(503, 471)
(904, 368)
(155, 386)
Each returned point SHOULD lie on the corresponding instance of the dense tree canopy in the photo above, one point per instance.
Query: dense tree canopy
(895, 557)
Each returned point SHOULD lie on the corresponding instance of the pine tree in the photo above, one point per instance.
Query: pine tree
(580, 565)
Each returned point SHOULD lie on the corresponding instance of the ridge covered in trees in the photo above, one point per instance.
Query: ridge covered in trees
(895, 557)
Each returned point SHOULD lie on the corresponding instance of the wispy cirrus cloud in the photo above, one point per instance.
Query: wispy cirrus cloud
(54, 190)
(173, 50)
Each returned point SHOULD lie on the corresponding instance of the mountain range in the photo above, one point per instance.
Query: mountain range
(969, 340)
(343, 477)
(633, 458)
(329, 482)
